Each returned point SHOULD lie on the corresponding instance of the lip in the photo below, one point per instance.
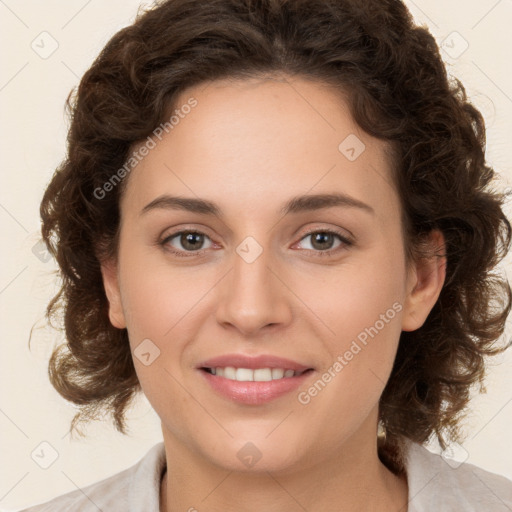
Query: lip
(253, 362)
(251, 392)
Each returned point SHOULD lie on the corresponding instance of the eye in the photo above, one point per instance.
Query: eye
(322, 242)
(190, 241)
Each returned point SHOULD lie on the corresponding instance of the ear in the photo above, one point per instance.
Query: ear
(425, 281)
(112, 290)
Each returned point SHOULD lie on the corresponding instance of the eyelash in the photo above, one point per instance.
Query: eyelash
(329, 253)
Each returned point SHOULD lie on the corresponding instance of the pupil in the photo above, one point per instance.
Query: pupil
(322, 237)
(188, 239)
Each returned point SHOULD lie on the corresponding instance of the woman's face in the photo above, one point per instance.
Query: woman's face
(274, 284)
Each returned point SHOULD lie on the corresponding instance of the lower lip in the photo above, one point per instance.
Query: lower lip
(254, 393)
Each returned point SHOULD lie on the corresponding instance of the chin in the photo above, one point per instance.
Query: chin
(254, 454)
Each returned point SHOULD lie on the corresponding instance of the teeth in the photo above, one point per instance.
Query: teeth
(243, 374)
(263, 374)
(229, 373)
(277, 373)
(248, 374)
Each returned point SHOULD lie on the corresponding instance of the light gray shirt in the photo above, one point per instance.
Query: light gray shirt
(435, 485)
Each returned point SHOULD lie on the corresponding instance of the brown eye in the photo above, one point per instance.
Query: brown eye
(191, 241)
(323, 242)
(186, 241)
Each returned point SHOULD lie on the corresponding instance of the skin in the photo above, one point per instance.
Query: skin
(250, 146)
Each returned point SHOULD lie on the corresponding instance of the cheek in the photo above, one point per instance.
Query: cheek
(363, 309)
(164, 308)
(349, 386)
(374, 310)
(158, 303)
(157, 298)
(355, 296)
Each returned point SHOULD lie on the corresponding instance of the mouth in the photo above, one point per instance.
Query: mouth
(254, 375)
(253, 380)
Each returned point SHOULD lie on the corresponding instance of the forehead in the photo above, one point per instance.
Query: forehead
(248, 144)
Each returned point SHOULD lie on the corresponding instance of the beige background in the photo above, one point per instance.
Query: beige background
(33, 130)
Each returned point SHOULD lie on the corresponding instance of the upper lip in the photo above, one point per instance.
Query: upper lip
(253, 362)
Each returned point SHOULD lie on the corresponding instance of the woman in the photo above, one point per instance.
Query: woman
(275, 219)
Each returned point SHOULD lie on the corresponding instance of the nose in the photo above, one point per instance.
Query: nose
(253, 296)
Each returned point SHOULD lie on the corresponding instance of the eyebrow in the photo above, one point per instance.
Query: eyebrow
(296, 204)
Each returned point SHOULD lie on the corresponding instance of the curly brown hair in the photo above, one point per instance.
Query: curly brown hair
(398, 89)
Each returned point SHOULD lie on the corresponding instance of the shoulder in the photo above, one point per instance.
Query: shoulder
(442, 484)
(134, 489)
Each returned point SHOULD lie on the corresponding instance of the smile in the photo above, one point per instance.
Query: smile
(254, 375)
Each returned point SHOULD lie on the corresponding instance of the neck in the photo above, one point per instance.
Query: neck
(355, 480)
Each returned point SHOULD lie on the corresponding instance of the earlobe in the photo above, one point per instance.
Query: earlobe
(112, 290)
(424, 283)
